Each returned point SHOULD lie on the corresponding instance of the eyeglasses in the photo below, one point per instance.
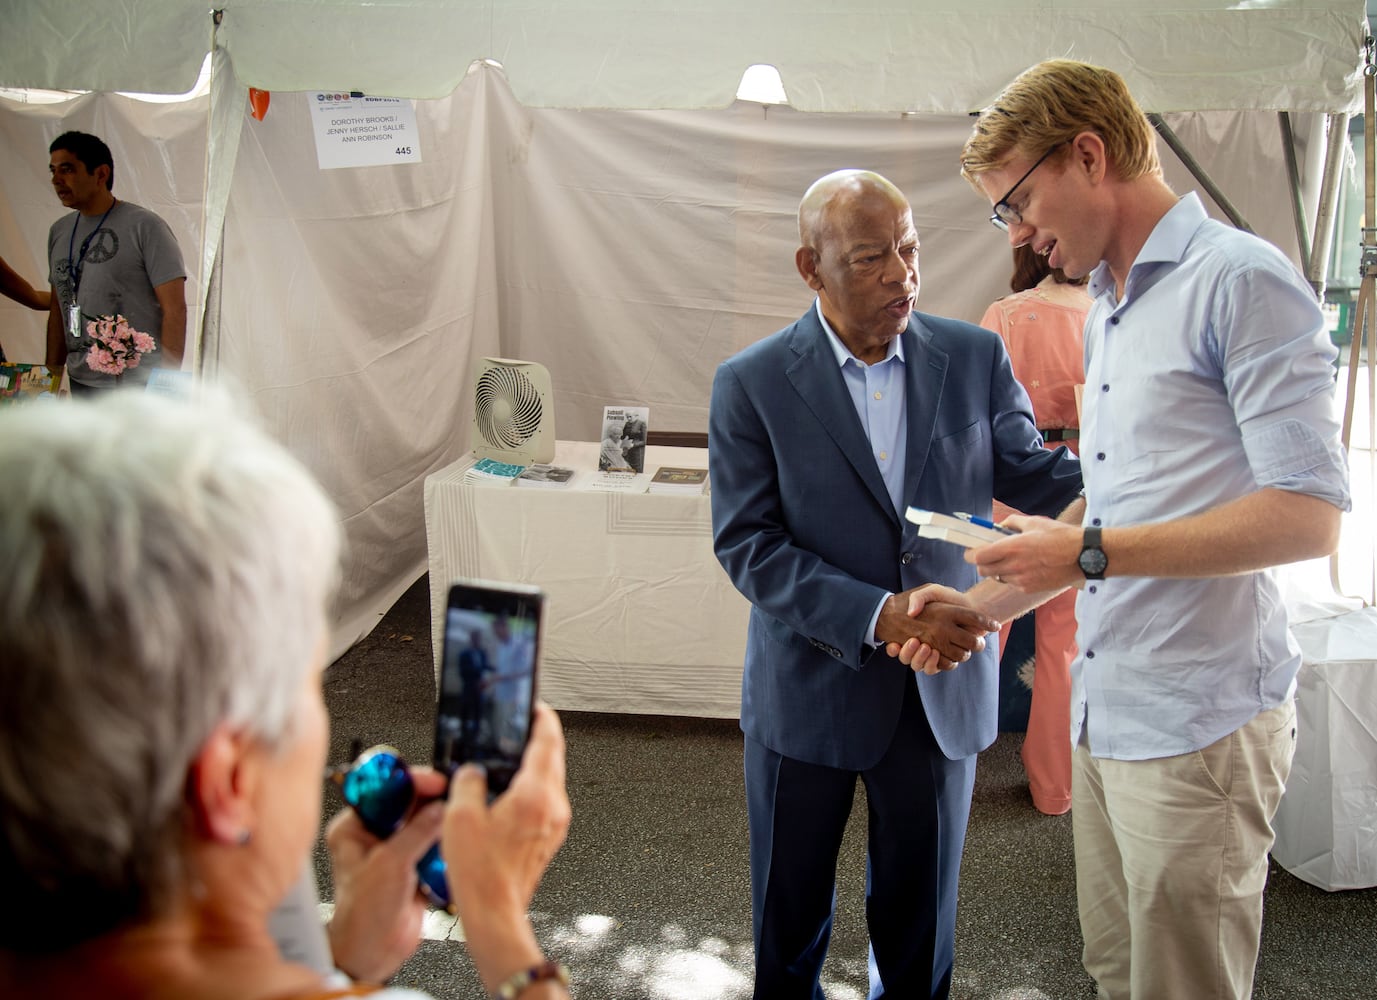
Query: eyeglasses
(1004, 214)
(378, 787)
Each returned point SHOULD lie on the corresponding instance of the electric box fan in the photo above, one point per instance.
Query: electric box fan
(513, 412)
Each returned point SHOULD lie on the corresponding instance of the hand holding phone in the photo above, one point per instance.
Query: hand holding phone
(488, 658)
(501, 847)
(491, 647)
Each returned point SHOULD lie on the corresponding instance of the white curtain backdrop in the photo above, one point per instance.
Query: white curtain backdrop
(627, 251)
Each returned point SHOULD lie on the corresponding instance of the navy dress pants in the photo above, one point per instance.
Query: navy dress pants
(919, 802)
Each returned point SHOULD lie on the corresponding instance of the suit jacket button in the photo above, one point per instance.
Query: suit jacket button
(906, 558)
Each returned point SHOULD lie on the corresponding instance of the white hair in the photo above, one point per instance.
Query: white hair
(166, 569)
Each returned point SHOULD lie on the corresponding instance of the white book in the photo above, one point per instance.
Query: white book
(615, 482)
(960, 529)
(956, 536)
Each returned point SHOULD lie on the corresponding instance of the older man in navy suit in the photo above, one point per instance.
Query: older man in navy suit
(819, 437)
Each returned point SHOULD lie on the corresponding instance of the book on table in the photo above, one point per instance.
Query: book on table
(958, 528)
(547, 477)
(28, 382)
(673, 479)
(624, 431)
(490, 472)
(180, 384)
(615, 482)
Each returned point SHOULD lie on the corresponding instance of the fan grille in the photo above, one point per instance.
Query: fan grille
(507, 407)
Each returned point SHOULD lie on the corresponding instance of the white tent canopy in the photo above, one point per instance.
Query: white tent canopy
(943, 56)
(627, 250)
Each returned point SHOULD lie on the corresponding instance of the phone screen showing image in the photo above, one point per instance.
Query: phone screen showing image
(487, 678)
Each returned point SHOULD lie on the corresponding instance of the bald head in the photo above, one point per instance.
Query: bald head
(817, 211)
(859, 253)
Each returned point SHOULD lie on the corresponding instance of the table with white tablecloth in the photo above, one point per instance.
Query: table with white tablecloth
(640, 616)
(1327, 823)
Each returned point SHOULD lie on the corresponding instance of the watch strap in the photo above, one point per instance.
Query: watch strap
(1092, 560)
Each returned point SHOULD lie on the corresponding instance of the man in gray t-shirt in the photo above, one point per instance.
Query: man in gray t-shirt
(108, 258)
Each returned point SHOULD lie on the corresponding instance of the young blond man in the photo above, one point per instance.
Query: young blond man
(1210, 453)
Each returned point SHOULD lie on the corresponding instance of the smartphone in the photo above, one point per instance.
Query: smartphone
(489, 655)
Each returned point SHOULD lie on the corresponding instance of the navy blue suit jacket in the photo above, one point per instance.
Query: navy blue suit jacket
(805, 528)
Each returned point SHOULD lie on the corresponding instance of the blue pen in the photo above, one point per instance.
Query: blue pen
(984, 522)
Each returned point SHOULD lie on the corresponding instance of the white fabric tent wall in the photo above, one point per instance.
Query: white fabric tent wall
(353, 305)
(627, 251)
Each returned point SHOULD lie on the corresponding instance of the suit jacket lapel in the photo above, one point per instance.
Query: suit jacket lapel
(925, 370)
(818, 380)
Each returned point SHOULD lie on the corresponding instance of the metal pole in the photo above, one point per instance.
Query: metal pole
(1318, 269)
(1288, 145)
(1198, 172)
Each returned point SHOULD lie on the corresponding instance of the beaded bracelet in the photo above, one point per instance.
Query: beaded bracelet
(520, 981)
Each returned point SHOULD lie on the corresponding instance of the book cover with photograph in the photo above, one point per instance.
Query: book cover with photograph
(549, 477)
(623, 438)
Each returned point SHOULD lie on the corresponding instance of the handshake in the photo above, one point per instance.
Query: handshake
(933, 628)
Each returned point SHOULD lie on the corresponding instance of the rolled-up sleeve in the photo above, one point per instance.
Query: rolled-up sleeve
(1279, 374)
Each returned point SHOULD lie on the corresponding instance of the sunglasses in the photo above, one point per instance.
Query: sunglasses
(378, 787)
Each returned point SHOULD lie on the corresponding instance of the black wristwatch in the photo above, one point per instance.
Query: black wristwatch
(1092, 560)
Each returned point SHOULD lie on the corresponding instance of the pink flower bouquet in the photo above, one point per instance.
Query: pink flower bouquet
(117, 345)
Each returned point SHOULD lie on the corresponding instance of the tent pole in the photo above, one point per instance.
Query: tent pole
(198, 334)
(1317, 269)
(1288, 145)
(1198, 172)
(227, 97)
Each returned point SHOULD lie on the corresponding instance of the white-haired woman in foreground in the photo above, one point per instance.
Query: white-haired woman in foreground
(165, 569)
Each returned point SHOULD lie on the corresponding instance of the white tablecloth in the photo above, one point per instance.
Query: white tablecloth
(640, 616)
(1327, 823)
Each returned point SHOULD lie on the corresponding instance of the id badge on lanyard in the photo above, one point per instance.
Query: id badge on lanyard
(74, 262)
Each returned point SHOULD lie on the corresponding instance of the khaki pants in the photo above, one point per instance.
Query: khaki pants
(1171, 861)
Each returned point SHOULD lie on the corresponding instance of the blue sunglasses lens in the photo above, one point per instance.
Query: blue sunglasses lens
(431, 871)
(379, 789)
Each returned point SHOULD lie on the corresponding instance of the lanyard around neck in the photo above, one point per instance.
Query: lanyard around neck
(75, 263)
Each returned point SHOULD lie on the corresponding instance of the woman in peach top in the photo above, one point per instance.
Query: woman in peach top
(1042, 324)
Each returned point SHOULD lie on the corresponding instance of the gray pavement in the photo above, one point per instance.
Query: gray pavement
(650, 897)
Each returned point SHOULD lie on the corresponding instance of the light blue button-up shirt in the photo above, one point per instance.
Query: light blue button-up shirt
(878, 393)
(1211, 379)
